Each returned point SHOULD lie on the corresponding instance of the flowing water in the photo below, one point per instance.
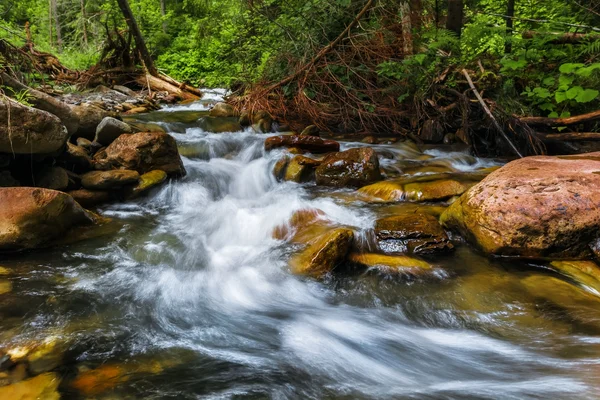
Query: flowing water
(192, 298)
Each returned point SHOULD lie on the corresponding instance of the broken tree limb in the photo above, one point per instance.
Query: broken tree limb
(160, 85)
(181, 85)
(570, 136)
(323, 51)
(489, 113)
(43, 101)
(562, 38)
(552, 122)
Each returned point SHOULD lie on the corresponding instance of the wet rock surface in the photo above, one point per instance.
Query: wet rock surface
(144, 152)
(354, 167)
(306, 143)
(31, 217)
(412, 233)
(323, 253)
(533, 207)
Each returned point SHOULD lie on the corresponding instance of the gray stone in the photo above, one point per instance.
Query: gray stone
(109, 129)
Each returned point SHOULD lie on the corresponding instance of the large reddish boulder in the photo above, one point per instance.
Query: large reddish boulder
(311, 144)
(533, 207)
(31, 217)
(144, 152)
(355, 167)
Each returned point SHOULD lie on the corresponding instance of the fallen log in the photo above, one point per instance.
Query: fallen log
(562, 38)
(161, 85)
(181, 85)
(552, 122)
(80, 121)
(43, 101)
(570, 136)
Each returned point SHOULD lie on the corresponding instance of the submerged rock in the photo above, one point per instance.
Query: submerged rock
(585, 272)
(27, 130)
(42, 387)
(301, 220)
(403, 190)
(399, 263)
(355, 167)
(32, 217)
(104, 180)
(109, 129)
(413, 233)
(306, 143)
(533, 207)
(323, 253)
(144, 152)
(222, 110)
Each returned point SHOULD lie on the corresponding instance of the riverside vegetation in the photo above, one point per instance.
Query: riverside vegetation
(386, 200)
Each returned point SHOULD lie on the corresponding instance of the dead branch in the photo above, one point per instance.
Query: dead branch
(321, 53)
(570, 136)
(553, 122)
(489, 113)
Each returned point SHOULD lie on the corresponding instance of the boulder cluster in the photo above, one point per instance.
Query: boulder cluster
(47, 174)
(539, 207)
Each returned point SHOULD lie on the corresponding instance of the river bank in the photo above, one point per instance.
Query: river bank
(217, 283)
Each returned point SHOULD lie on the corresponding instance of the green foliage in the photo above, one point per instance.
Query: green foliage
(23, 96)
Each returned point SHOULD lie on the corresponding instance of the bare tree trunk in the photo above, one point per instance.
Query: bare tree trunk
(454, 22)
(163, 13)
(416, 14)
(56, 25)
(137, 36)
(407, 39)
(510, 13)
(84, 22)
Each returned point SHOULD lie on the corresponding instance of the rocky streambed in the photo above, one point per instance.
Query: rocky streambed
(251, 265)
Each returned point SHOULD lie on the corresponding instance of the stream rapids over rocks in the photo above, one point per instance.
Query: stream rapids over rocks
(192, 297)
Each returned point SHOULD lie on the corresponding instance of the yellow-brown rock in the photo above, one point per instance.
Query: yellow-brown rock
(146, 182)
(401, 190)
(299, 229)
(323, 253)
(300, 169)
(41, 387)
(114, 179)
(397, 263)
